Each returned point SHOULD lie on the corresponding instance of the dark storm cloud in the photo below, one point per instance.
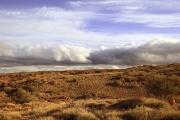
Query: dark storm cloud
(157, 51)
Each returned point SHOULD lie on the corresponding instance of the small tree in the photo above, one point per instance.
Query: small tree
(163, 87)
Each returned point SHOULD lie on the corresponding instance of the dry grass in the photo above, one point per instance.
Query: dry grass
(74, 114)
(10, 116)
(86, 95)
(92, 109)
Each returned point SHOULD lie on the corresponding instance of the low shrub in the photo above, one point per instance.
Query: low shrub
(127, 104)
(22, 96)
(157, 104)
(140, 113)
(97, 105)
(113, 115)
(31, 88)
(74, 114)
(171, 116)
(10, 116)
(9, 90)
(163, 87)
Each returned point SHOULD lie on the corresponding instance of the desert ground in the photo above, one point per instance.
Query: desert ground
(139, 93)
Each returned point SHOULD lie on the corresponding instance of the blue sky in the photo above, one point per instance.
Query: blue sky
(78, 31)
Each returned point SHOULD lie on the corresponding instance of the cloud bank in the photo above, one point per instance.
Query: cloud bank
(43, 55)
(156, 51)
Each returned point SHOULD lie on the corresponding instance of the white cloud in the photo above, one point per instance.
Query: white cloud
(55, 21)
(5, 50)
(57, 53)
(151, 20)
(76, 3)
(31, 26)
(160, 14)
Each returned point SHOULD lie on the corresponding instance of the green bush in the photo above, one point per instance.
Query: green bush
(22, 96)
(163, 87)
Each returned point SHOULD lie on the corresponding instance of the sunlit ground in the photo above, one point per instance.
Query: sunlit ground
(12, 69)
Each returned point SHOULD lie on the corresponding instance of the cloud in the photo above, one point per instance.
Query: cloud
(76, 3)
(44, 55)
(157, 51)
(151, 20)
(71, 26)
(157, 14)
(72, 42)
(45, 23)
(42, 20)
(5, 50)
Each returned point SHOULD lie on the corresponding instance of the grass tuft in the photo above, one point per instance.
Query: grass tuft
(74, 114)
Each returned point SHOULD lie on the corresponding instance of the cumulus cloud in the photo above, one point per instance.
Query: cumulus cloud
(157, 51)
(44, 55)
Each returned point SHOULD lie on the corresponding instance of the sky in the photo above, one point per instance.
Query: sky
(87, 34)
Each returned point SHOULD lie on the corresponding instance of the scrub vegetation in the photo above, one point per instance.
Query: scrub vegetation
(139, 93)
